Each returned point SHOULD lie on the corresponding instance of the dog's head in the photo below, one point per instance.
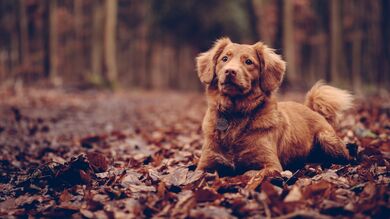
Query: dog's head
(237, 69)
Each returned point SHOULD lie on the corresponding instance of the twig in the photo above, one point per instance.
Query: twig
(304, 214)
(255, 181)
(266, 210)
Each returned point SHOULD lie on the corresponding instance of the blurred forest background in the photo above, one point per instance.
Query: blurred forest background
(146, 44)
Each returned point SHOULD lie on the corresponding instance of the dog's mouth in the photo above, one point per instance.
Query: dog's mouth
(230, 88)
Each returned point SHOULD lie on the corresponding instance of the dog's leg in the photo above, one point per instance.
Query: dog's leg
(333, 146)
(211, 160)
(251, 173)
(204, 160)
(271, 167)
(259, 177)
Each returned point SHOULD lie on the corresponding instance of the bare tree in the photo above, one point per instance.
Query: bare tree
(336, 41)
(288, 40)
(110, 41)
(97, 42)
(50, 41)
(23, 34)
(78, 41)
(357, 36)
(53, 40)
(78, 13)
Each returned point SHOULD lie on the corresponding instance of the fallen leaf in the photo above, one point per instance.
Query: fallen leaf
(98, 161)
(206, 195)
(65, 196)
(186, 201)
(211, 212)
(177, 177)
(295, 194)
(86, 213)
(315, 189)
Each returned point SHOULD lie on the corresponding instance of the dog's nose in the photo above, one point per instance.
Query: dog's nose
(230, 72)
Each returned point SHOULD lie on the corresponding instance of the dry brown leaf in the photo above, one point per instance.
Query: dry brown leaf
(295, 194)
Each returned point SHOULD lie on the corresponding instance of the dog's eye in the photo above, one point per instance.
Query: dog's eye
(248, 62)
(224, 59)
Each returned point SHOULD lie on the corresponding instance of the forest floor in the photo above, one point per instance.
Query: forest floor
(97, 154)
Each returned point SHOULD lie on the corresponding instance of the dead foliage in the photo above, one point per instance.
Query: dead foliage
(104, 155)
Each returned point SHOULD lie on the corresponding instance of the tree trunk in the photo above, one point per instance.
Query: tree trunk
(50, 41)
(78, 13)
(356, 62)
(253, 19)
(78, 42)
(357, 10)
(336, 41)
(288, 41)
(53, 41)
(265, 34)
(97, 42)
(385, 79)
(110, 41)
(23, 34)
(46, 40)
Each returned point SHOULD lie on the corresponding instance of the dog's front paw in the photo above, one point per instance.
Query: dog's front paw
(259, 177)
(215, 162)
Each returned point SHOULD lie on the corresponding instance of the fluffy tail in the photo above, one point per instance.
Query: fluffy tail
(328, 101)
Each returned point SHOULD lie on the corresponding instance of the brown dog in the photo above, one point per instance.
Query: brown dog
(246, 129)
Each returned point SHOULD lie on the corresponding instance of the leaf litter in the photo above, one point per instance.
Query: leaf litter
(132, 155)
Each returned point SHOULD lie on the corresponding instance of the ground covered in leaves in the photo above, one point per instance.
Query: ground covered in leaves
(97, 154)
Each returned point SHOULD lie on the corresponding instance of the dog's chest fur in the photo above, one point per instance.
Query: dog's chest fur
(234, 146)
(229, 137)
(234, 141)
(231, 142)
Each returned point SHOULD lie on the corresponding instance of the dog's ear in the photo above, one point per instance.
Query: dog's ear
(205, 62)
(272, 67)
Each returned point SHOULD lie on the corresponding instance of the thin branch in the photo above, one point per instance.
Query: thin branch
(304, 214)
